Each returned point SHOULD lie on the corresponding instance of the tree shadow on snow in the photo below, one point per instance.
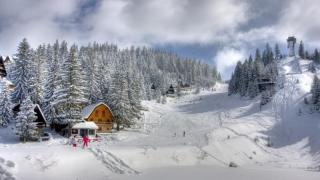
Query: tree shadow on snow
(212, 102)
(303, 128)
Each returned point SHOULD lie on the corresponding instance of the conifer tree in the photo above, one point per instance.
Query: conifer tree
(69, 97)
(307, 55)
(5, 106)
(51, 79)
(21, 75)
(316, 56)
(39, 72)
(315, 91)
(244, 79)
(277, 51)
(232, 88)
(134, 95)
(26, 127)
(301, 50)
(119, 97)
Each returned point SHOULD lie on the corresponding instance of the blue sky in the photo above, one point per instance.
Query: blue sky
(218, 32)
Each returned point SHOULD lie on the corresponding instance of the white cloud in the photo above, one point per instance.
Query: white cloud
(243, 25)
(226, 60)
(162, 21)
(300, 18)
(120, 21)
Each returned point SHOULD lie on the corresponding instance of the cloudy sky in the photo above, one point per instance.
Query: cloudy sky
(220, 32)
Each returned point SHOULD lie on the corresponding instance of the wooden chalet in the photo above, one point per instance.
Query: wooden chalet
(101, 115)
(40, 121)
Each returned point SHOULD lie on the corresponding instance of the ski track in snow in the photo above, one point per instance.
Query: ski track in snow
(112, 162)
(6, 166)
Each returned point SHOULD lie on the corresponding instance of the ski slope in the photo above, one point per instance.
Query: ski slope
(194, 136)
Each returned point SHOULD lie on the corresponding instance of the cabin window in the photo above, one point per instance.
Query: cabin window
(99, 120)
(91, 132)
(74, 131)
(103, 113)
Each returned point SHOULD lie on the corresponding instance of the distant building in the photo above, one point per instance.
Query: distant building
(291, 46)
(170, 90)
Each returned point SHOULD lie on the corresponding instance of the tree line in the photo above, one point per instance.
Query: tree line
(247, 75)
(63, 79)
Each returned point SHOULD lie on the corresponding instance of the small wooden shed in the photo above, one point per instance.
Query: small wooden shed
(84, 128)
(41, 119)
(101, 115)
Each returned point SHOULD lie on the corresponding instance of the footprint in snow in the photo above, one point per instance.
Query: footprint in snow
(5, 167)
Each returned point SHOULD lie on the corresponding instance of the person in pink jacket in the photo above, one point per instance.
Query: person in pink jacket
(85, 140)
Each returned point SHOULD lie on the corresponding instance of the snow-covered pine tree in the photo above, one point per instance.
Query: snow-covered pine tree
(90, 70)
(315, 91)
(142, 86)
(51, 83)
(39, 72)
(231, 87)
(307, 55)
(301, 50)
(102, 85)
(244, 79)
(312, 68)
(134, 95)
(119, 96)
(5, 106)
(277, 51)
(253, 81)
(51, 79)
(26, 127)
(237, 77)
(316, 56)
(21, 75)
(68, 99)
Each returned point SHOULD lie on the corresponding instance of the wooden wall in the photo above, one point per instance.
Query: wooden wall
(102, 116)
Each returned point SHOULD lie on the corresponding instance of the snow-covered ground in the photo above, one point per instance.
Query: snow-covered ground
(218, 129)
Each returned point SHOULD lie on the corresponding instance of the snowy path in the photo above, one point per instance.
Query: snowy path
(112, 162)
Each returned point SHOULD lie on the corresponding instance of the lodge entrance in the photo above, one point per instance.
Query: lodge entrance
(83, 132)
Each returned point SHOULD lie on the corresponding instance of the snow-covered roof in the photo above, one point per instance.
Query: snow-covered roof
(89, 109)
(85, 125)
(40, 110)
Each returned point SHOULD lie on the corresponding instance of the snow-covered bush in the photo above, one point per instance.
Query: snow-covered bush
(164, 99)
(233, 164)
(5, 107)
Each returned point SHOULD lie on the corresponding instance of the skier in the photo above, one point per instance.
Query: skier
(85, 140)
(184, 133)
(74, 141)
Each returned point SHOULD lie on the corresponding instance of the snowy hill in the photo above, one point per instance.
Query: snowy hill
(194, 136)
